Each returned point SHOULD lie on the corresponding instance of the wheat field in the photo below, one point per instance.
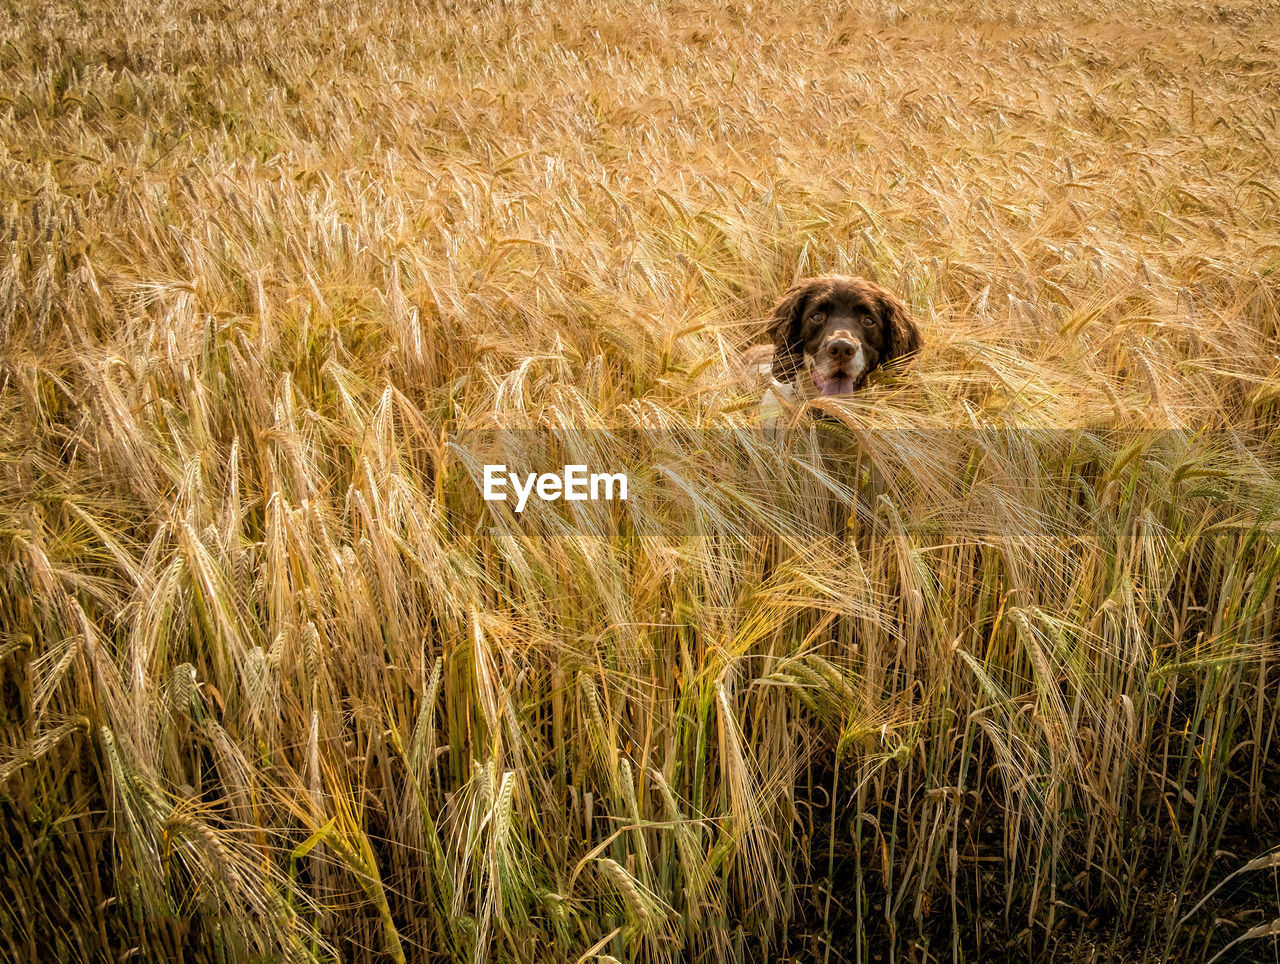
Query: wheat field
(977, 665)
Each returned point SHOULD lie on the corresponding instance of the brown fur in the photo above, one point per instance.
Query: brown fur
(860, 321)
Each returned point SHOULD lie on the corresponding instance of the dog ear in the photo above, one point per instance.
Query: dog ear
(784, 329)
(901, 334)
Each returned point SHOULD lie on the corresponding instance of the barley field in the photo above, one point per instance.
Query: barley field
(979, 664)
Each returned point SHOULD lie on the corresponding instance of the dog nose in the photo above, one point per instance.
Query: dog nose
(842, 349)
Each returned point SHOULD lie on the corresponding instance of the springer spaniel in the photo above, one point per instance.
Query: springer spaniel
(829, 333)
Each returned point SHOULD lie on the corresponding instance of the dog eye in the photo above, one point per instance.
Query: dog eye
(868, 321)
(818, 317)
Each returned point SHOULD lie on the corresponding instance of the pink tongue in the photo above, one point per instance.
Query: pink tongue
(838, 386)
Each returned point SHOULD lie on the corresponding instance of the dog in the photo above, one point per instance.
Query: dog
(829, 333)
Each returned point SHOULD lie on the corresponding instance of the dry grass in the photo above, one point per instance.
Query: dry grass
(278, 685)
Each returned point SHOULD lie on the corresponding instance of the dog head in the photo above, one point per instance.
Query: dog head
(831, 331)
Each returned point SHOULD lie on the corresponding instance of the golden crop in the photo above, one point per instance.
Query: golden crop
(278, 685)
